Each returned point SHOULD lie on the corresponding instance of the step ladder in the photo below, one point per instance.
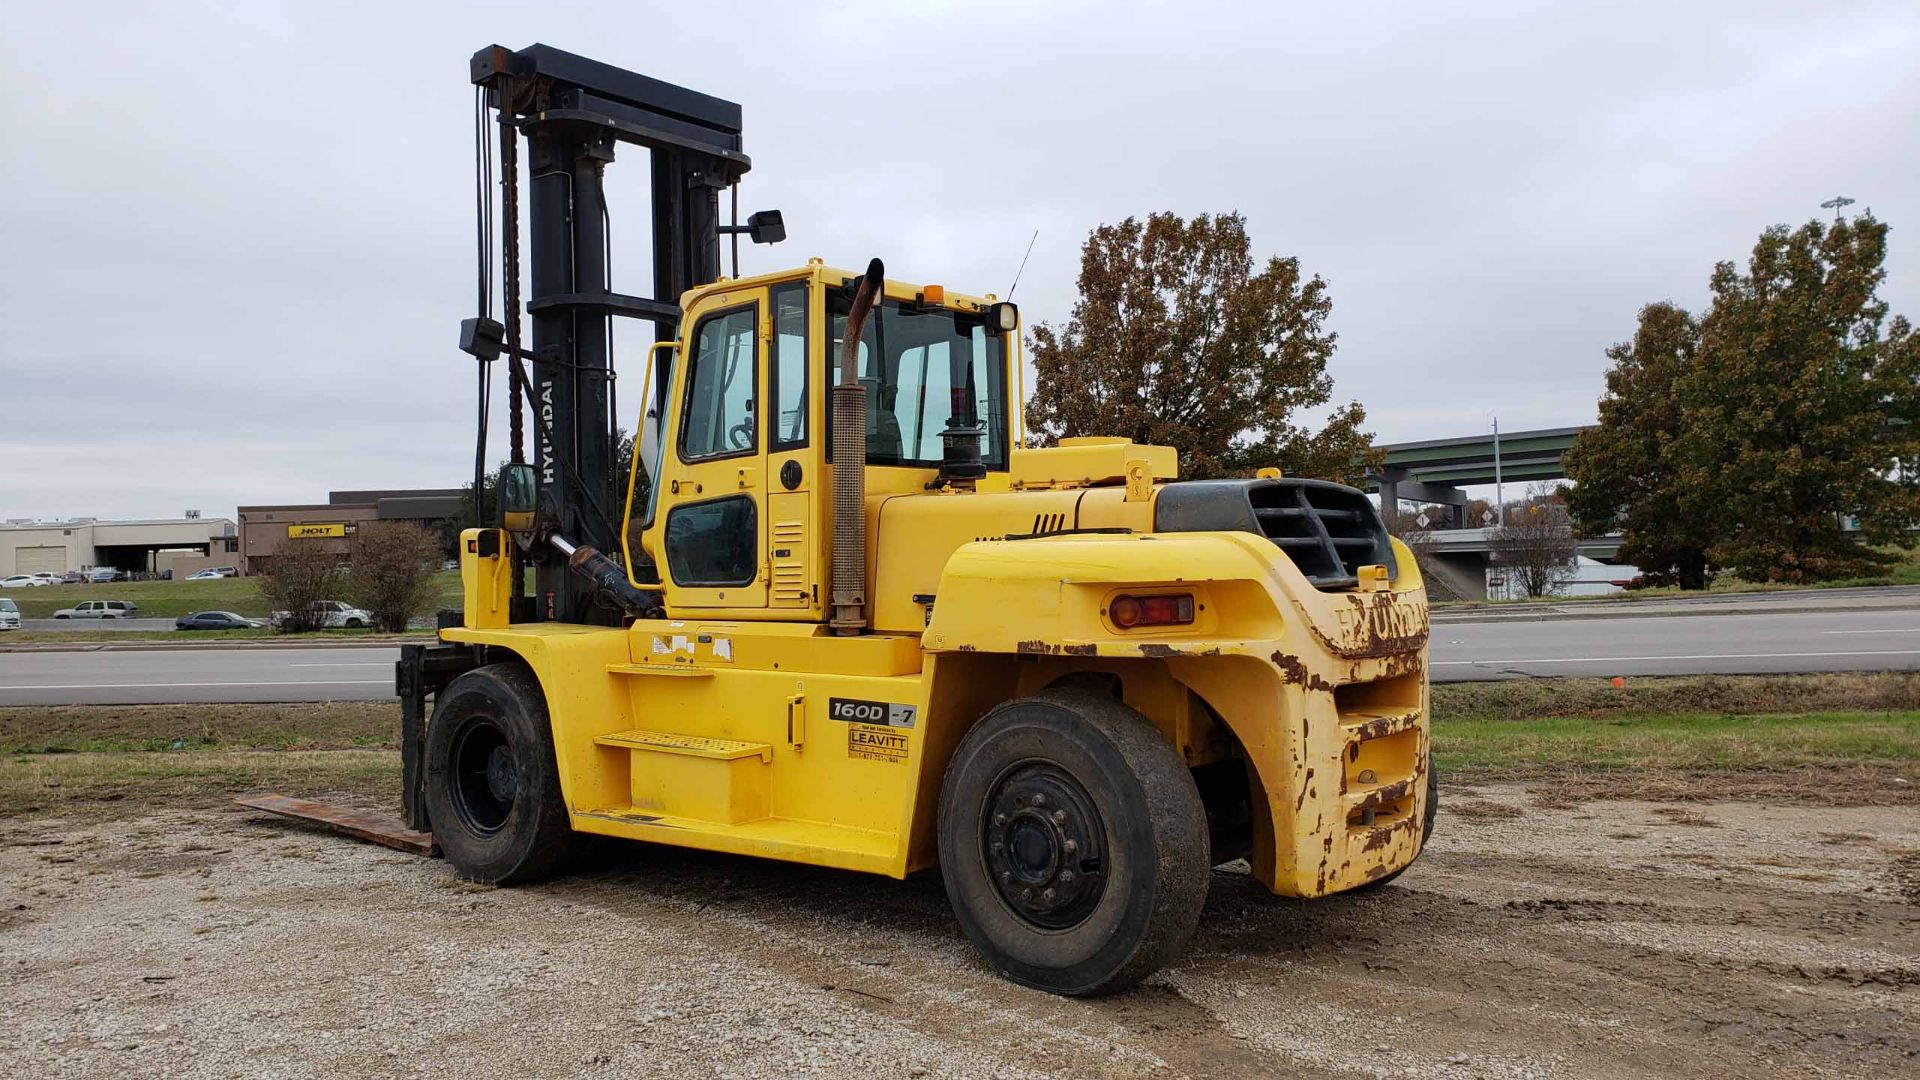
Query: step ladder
(690, 776)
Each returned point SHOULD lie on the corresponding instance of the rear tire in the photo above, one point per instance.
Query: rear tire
(1073, 843)
(493, 788)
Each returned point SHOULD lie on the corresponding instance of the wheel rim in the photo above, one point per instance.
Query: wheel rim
(1044, 845)
(485, 779)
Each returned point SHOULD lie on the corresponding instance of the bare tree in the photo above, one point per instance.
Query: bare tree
(392, 575)
(1536, 545)
(302, 573)
(1420, 541)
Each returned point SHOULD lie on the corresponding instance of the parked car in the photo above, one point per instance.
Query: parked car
(101, 574)
(72, 577)
(21, 581)
(99, 609)
(48, 577)
(213, 573)
(332, 615)
(216, 620)
(9, 614)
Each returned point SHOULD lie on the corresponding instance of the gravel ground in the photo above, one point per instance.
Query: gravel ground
(1607, 939)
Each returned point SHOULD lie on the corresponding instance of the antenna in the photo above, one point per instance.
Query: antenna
(1023, 265)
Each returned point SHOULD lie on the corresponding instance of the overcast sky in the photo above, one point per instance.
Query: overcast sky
(236, 240)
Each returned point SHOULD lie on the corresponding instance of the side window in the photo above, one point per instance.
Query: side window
(713, 543)
(720, 409)
(788, 372)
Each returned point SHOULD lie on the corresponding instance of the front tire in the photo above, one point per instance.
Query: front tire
(493, 789)
(1073, 843)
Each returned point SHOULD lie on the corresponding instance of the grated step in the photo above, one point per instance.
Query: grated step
(663, 742)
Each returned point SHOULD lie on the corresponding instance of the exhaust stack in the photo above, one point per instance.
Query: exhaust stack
(850, 465)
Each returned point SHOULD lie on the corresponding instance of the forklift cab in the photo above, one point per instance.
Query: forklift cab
(737, 440)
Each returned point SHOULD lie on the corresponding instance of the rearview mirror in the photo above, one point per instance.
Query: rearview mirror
(517, 494)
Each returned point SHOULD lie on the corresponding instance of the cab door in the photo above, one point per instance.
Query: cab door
(715, 521)
(792, 461)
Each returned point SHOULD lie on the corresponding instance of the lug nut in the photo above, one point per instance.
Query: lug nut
(1039, 799)
(1006, 877)
(999, 819)
(1026, 894)
(1071, 845)
(998, 847)
(1060, 817)
(1066, 877)
(1048, 895)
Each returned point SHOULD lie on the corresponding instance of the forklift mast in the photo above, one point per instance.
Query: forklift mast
(573, 111)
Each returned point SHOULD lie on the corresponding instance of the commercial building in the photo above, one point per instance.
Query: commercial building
(332, 524)
(182, 545)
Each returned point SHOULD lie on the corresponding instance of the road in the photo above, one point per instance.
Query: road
(1749, 643)
(1466, 648)
(170, 676)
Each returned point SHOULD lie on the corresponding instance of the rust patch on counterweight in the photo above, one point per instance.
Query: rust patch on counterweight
(1295, 670)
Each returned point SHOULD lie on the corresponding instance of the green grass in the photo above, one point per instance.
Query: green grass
(1681, 741)
(172, 599)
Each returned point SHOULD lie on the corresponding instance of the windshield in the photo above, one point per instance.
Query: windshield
(923, 369)
(8, 605)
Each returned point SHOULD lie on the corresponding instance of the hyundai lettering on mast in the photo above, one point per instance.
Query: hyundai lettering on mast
(572, 112)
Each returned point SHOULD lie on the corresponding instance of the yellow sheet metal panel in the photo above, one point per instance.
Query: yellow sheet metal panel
(486, 581)
(913, 536)
(1086, 461)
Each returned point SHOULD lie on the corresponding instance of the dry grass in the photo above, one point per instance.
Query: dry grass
(121, 728)
(137, 783)
(1837, 739)
(1729, 695)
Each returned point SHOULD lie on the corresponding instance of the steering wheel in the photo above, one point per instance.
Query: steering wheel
(740, 435)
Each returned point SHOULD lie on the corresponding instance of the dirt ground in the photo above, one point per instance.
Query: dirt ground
(1603, 939)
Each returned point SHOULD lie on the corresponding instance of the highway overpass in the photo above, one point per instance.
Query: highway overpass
(1433, 471)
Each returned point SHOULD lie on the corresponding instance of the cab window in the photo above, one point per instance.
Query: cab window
(719, 416)
(787, 374)
(924, 369)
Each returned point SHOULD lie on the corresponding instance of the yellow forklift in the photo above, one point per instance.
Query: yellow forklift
(842, 615)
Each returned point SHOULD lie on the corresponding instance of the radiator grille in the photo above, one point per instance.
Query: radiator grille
(1329, 532)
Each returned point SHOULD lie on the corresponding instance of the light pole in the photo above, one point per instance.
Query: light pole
(1499, 490)
(1836, 204)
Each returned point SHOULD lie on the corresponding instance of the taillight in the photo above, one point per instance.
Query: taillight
(1129, 612)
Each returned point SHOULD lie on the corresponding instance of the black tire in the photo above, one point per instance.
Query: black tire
(1426, 831)
(1100, 882)
(493, 790)
(61, 616)
(354, 624)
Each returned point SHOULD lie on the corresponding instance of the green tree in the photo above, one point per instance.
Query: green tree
(1179, 339)
(1804, 407)
(1625, 472)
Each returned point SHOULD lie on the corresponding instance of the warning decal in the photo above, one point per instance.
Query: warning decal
(876, 743)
